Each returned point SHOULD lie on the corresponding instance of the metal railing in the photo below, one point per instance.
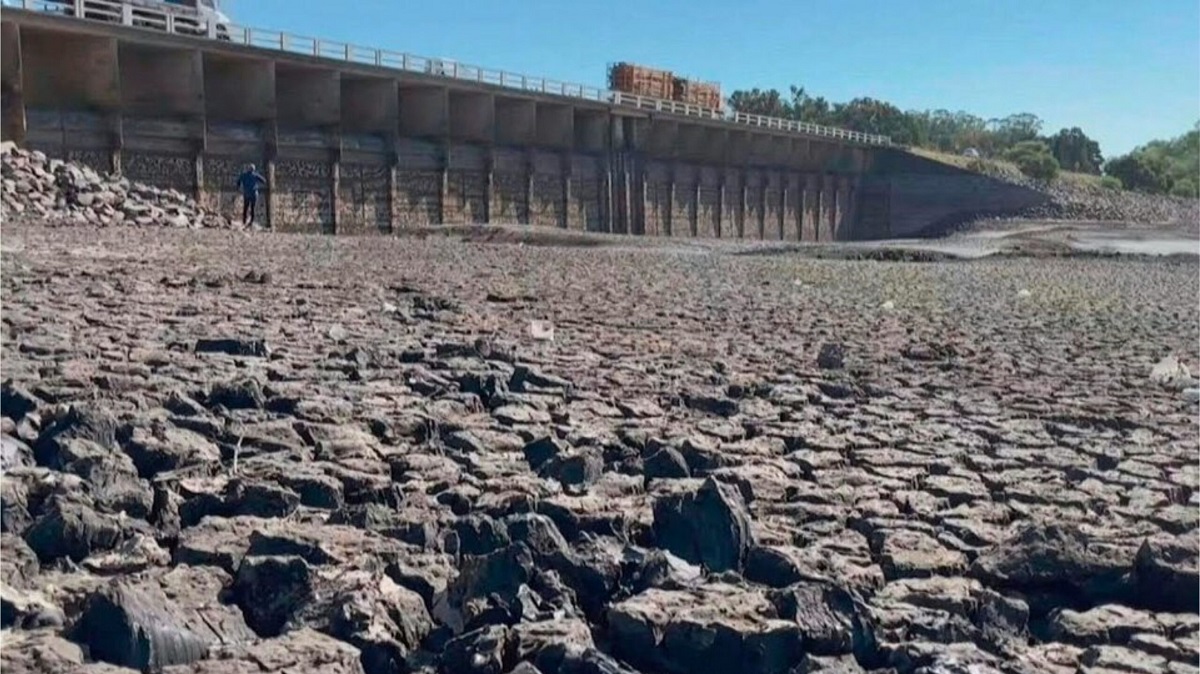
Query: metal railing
(187, 22)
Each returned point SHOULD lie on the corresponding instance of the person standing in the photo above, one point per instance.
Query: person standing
(249, 182)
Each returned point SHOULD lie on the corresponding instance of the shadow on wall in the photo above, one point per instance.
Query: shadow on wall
(910, 196)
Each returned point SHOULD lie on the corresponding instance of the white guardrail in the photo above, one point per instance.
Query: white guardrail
(155, 15)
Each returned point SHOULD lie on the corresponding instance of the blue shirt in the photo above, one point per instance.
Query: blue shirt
(249, 182)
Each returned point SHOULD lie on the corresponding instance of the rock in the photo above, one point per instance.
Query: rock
(165, 447)
(547, 643)
(367, 609)
(240, 394)
(478, 652)
(135, 554)
(38, 652)
(1171, 373)
(832, 356)
(831, 620)
(78, 422)
(709, 526)
(270, 590)
(15, 401)
(948, 610)
(1165, 573)
(234, 347)
(714, 628)
(67, 193)
(539, 534)
(1047, 555)
(18, 564)
(74, 530)
(525, 378)
(1107, 624)
(542, 450)
(300, 650)
(28, 609)
(1105, 659)
(667, 463)
(908, 554)
(231, 498)
(14, 454)
(520, 415)
(721, 407)
(486, 584)
(581, 468)
(156, 621)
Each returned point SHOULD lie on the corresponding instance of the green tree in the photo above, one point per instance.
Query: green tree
(1075, 151)
(870, 115)
(1009, 131)
(1034, 159)
(805, 108)
(1142, 172)
(758, 102)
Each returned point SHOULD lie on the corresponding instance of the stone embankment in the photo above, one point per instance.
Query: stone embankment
(58, 192)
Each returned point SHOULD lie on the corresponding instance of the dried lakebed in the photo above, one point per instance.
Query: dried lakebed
(231, 453)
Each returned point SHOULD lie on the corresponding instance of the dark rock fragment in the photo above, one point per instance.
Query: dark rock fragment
(709, 526)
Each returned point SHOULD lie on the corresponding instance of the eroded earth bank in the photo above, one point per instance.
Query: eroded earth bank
(228, 452)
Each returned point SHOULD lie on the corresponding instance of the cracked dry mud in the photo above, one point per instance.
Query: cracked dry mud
(229, 453)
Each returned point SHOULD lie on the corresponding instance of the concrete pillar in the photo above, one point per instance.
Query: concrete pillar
(744, 206)
(695, 216)
(812, 208)
(783, 204)
(393, 206)
(669, 220)
(529, 172)
(489, 182)
(444, 189)
(606, 196)
(335, 185)
(566, 172)
(721, 207)
(828, 207)
(271, 138)
(12, 98)
(762, 209)
(853, 195)
(198, 175)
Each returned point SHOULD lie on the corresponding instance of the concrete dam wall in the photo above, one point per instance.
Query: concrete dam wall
(348, 147)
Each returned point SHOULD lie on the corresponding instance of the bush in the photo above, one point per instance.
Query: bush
(1141, 172)
(1034, 159)
(1111, 183)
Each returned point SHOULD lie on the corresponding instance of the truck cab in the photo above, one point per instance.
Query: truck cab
(187, 17)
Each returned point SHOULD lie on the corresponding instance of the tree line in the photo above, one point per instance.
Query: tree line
(1161, 167)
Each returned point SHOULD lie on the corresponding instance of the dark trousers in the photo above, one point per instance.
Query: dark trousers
(248, 202)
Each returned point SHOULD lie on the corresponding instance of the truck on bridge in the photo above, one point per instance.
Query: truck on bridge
(189, 17)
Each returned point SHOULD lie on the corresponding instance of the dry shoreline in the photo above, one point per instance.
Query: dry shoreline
(352, 455)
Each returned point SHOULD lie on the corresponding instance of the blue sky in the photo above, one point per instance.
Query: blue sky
(1126, 72)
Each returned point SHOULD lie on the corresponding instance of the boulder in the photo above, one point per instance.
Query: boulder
(160, 620)
(1165, 573)
(715, 628)
(708, 526)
